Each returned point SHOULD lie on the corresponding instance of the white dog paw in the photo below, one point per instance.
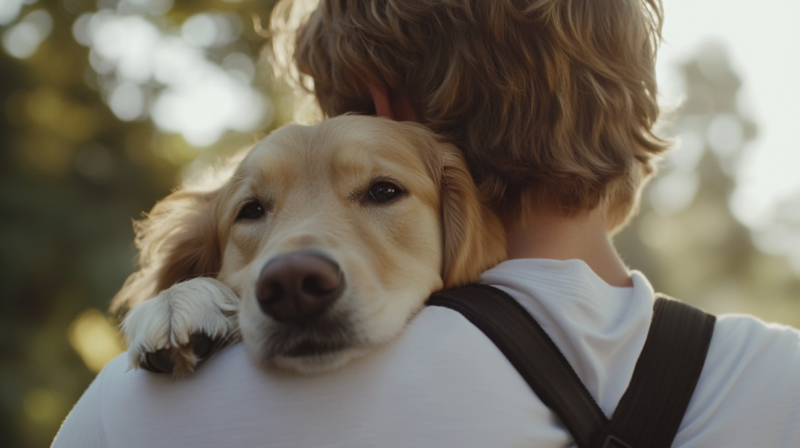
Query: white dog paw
(182, 326)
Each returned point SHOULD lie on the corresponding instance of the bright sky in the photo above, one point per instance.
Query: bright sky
(763, 42)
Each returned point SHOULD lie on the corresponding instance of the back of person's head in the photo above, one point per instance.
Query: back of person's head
(551, 101)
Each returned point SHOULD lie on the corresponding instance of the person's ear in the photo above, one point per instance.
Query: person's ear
(389, 103)
(380, 97)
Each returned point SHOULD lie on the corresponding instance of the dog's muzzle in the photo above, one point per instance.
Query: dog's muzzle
(299, 287)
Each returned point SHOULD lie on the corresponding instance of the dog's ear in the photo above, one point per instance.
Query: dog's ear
(474, 237)
(177, 240)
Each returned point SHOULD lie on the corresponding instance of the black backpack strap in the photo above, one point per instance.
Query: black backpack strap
(531, 351)
(649, 413)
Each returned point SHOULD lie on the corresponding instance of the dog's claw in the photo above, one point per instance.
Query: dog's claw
(181, 327)
(159, 361)
(202, 346)
(163, 360)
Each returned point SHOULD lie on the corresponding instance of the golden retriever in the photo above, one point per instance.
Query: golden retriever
(322, 244)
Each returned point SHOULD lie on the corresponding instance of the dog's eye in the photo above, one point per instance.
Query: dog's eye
(384, 192)
(253, 210)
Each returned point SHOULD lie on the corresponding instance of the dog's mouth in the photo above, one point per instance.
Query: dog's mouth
(313, 348)
(325, 337)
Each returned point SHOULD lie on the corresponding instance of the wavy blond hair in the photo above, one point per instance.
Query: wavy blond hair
(551, 101)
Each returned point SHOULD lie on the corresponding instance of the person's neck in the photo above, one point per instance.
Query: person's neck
(583, 237)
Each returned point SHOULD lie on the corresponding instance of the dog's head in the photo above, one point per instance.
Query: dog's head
(332, 235)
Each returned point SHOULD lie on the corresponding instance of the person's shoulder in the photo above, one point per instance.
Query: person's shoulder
(436, 333)
(84, 426)
(116, 367)
(747, 322)
(441, 361)
(748, 393)
(758, 345)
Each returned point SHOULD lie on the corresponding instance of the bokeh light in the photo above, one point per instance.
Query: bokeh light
(194, 96)
(23, 39)
(94, 339)
(9, 10)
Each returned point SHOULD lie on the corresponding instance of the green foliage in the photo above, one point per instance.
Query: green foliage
(73, 176)
(686, 239)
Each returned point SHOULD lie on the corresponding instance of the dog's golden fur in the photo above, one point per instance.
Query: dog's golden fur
(551, 101)
(312, 182)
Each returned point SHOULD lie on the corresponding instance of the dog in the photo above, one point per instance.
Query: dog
(320, 247)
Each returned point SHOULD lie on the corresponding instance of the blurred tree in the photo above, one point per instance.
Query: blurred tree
(95, 129)
(693, 247)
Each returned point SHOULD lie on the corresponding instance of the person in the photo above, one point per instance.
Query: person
(553, 103)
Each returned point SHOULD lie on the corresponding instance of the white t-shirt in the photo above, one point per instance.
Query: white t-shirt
(442, 383)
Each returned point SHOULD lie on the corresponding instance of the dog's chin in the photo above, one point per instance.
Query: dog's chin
(326, 345)
(309, 359)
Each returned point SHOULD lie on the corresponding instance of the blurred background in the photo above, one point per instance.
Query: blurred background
(108, 104)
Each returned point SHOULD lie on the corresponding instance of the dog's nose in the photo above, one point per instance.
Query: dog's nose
(298, 287)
